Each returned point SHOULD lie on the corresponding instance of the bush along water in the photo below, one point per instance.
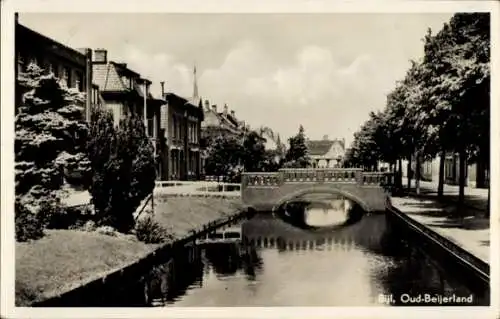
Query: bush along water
(149, 231)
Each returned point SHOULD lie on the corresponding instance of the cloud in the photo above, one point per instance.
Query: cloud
(313, 88)
(177, 76)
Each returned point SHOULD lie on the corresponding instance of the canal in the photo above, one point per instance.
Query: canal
(312, 252)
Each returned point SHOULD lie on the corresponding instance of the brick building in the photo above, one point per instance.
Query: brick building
(72, 67)
(181, 124)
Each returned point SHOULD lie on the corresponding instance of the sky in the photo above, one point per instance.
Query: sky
(323, 71)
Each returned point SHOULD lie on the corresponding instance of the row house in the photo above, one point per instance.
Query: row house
(181, 125)
(72, 67)
(124, 92)
(326, 153)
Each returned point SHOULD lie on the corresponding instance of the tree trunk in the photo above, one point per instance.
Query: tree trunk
(400, 174)
(417, 172)
(461, 178)
(480, 173)
(441, 174)
(409, 173)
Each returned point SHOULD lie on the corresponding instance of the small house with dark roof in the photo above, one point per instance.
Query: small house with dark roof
(326, 153)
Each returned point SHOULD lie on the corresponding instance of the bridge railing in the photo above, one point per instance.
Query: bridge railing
(261, 179)
(340, 175)
(316, 175)
(378, 178)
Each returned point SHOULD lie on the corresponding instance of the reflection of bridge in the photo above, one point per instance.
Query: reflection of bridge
(311, 244)
(266, 191)
(225, 234)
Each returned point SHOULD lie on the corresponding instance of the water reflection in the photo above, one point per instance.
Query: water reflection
(312, 211)
(278, 264)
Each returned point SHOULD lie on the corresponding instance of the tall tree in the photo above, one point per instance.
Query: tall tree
(50, 137)
(224, 155)
(123, 167)
(458, 60)
(253, 152)
(297, 155)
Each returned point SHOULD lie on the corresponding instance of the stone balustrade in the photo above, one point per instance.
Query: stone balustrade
(316, 175)
(261, 179)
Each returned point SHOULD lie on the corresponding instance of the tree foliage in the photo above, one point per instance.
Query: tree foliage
(297, 155)
(123, 167)
(50, 138)
(442, 104)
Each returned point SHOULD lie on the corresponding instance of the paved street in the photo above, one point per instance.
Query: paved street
(474, 197)
(471, 233)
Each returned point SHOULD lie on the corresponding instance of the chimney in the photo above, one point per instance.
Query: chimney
(325, 137)
(225, 109)
(232, 113)
(100, 56)
(214, 108)
(162, 83)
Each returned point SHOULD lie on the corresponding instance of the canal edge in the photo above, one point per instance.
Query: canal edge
(158, 254)
(471, 262)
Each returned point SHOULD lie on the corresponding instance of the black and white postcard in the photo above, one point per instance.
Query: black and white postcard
(266, 159)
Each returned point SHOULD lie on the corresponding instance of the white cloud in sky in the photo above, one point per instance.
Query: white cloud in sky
(274, 70)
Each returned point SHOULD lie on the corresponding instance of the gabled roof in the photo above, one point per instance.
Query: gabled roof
(107, 77)
(321, 147)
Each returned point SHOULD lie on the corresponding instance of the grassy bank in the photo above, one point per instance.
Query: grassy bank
(182, 214)
(66, 259)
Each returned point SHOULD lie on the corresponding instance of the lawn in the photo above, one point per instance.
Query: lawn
(182, 214)
(66, 259)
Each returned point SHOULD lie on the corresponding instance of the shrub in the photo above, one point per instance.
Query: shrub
(149, 231)
(55, 216)
(89, 226)
(106, 230)
(28, 224)
(123, 169)
(50, 137)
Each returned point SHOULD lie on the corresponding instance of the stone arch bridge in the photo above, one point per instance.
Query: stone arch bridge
(266, 191)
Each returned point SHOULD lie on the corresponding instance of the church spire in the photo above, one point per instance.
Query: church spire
(195, 86)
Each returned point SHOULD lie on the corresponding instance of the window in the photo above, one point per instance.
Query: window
(66, 76)
(79, 81)
(151, 128)
(174, 127)
(21, 63)
(55, 68)
(190, 133)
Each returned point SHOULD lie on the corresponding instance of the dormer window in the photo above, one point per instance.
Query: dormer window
(126, 81)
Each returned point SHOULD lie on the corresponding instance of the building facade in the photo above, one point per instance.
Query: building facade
(221, 123)
(124, 92)
(326, 153)
(72, 67)
(429, 171)
(181, 125)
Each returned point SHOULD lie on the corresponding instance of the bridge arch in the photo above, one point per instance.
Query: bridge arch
(323, 189)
